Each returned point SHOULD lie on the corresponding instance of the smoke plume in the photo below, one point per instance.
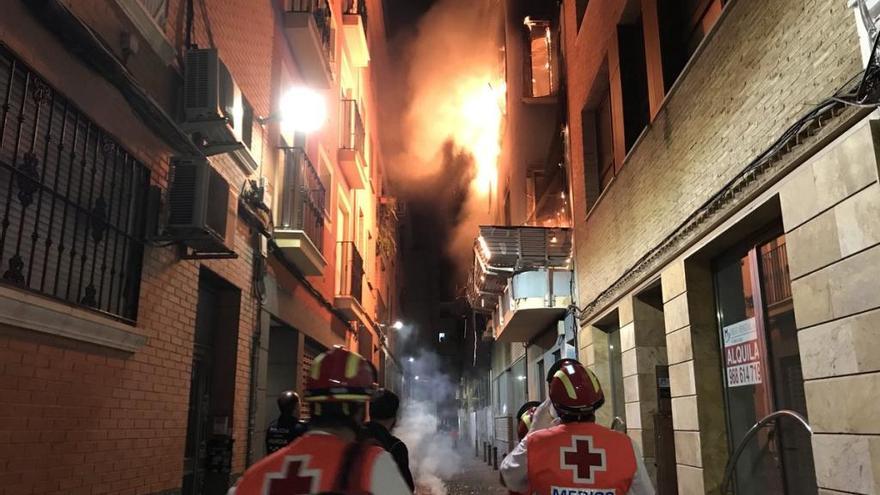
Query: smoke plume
(426, 425)
(448, 141)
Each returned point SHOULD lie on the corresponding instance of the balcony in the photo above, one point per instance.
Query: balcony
(522, 276)
(300, 233)
(350, 281)
(308, 25)
(352, 145)
(354, 24)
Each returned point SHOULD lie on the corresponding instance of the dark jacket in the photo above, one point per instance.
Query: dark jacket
(282, 431)
(394, 446)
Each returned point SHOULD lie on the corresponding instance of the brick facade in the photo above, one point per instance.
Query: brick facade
(77, 417)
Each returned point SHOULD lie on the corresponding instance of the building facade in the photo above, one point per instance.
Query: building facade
(724, 199)
(174, 252)
(521, 285)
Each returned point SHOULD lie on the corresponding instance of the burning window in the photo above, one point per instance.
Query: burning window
(541, 67)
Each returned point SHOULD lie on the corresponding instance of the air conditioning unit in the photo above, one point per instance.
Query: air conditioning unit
(216, 113)
(202, 210)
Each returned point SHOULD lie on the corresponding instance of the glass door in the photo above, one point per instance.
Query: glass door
(762, 368)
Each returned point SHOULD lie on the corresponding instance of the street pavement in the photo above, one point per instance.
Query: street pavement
(476, 477)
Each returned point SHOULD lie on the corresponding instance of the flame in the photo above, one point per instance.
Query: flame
(479, 132)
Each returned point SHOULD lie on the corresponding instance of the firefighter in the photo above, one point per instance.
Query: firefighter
(330, 456)
(577, 455)
(288, 426)
(545, 416)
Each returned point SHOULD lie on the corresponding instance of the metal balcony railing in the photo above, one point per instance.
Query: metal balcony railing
(353, 133)
(320, 10)
(302, 206)
(351, 272)
(357, 7)
(72, 199)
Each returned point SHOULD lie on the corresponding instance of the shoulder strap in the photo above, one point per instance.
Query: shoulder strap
(352, 466)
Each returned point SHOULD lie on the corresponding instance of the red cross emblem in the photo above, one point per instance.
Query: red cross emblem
(294, 478)
(582, 460)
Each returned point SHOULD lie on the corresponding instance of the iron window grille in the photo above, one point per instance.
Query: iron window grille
(353, 132)
(323, 16)
(72, 200)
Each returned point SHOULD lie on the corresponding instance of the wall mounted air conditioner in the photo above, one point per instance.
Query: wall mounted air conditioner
(216, 113)
(202, 210)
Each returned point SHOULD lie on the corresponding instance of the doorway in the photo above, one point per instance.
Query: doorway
(281, 371)
(208, 449)
(762, 368)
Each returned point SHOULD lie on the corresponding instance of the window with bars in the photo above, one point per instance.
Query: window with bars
(72, 200)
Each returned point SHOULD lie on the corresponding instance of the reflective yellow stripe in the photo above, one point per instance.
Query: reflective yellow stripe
(340, 398)
(351, 366)
(316, 367)
(595, 380)
(566, 382)
(527, 420)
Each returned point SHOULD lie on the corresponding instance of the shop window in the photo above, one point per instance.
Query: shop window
(683, 25)
(633, 80)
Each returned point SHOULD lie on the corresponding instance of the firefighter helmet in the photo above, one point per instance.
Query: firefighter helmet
(340, 375)
(575, 390)
(524, 418)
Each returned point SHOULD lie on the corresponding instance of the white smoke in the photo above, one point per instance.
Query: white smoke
(429, 397)
(432, 453)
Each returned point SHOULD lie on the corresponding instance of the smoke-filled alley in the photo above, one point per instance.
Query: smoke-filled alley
(439, 247)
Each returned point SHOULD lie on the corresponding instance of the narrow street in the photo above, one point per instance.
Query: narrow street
(475, 477)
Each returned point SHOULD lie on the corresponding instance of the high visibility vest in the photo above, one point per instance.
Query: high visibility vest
(311, 464)
(579, 459)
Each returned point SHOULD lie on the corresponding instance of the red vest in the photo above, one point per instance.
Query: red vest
(311, 464)
(579, 459)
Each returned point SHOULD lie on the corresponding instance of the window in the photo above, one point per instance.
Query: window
(541, 67)
(633, 80)
(605, 141)
(304, 196)
(683, 25)
(72, 197)
(158, 10)
(580, 9)
(598, 141)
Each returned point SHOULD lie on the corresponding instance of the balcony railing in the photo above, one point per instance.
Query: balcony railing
(302, 206)
(72, 199)
(353, 134)
(320, 10)
(357, 7)
(351, 271)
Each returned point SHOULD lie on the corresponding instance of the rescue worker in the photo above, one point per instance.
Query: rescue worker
(383, 419)
(330, 456)
(288, 426)
(524, 417)
(576, 456)
(545, 416)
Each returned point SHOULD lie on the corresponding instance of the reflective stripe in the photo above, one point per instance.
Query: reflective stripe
(339, 398)
(351, 365)
(566, 382)
(527, 420)
(596, 386)
(316, 367)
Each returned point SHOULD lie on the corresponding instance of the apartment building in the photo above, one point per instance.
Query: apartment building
(522, 280)
(174, 251)
(724, 218)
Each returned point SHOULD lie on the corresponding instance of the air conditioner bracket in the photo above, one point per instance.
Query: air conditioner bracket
(187, 253)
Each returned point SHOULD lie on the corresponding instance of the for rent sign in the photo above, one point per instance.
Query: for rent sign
(742, 356)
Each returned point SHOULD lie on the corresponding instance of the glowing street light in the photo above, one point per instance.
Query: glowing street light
(417, 377)
(301, 110)
(411, 359)
(398, 325)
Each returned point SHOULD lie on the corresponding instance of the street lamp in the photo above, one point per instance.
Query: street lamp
(398, 325)
(411, 359)
(300, 110)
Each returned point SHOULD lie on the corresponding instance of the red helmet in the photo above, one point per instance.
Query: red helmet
(340, 375)
(575, 390)
(524, 417)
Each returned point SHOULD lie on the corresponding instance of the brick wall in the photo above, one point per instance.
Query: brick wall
(763, 66)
